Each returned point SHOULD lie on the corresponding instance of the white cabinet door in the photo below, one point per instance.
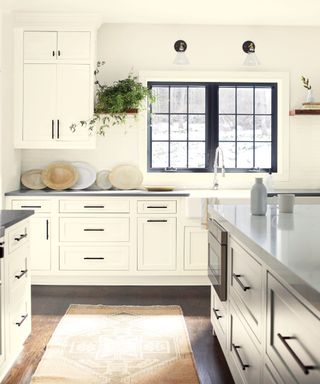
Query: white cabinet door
(39, 102)
(40, 46)
(73, 45)
(157, 248)
(40, 243)
(195, 249)
(73, 101)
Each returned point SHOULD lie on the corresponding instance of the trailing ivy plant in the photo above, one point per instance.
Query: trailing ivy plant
(114, 102)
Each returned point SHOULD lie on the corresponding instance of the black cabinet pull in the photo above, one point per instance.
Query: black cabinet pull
(59, 53)
(93, 258)
(52, 129)
(2, 250)
(30, 206)
(47, 229)
(157, 206)
(157, 221)
(53, 53)
(21, 237)
(305, 368)
(58, 129)
(243, 366)
(93, 206)
(237, 277)
(23, 272)
(23, 319)
(215, 311)
(93, 229)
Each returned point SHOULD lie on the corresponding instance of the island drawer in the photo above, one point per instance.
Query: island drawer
(219, 318)
(94, 258)
(243, 351)
(95, 206)
(246, 280)
(94, 229)
(157, 206)
(20, 322)
(293, 337)
(18, 271)
(35, 205)
(18, 236)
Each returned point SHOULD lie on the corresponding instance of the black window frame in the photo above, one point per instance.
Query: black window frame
(212, 125)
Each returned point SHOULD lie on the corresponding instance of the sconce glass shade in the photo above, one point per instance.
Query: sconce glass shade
(251, 58)
(181, 58)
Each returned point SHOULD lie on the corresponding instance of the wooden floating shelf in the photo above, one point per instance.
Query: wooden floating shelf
(305, 112)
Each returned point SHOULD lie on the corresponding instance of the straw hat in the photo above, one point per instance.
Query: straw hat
(32, 179)
(59, 175)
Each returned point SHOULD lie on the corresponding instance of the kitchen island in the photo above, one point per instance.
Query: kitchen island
(269, 326)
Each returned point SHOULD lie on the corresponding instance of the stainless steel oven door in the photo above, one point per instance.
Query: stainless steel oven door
(217, 266)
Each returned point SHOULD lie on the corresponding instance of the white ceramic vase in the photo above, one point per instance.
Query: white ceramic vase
(310, 98)
(258, 198)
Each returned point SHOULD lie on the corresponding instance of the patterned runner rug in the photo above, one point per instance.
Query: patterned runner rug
(97, 344)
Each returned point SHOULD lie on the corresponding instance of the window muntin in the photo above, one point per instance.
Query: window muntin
(189, 120)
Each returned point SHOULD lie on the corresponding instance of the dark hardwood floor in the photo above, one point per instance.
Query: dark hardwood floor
(49, 303)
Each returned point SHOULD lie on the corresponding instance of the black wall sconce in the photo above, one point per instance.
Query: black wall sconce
(250, 49)
(181, 58)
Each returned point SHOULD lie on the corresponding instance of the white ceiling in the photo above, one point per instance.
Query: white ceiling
(218, 12)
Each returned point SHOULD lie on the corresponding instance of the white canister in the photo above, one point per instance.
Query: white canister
(258, 198)
(286, 202)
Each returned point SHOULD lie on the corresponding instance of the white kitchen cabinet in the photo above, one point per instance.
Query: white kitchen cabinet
(55, 96)
(56, 45)
(53, 88)
(219, 318)
(195, 249)
(157, 243)
(292, 336)
(40, 243)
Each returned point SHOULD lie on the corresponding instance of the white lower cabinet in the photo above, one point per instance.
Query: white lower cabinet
(219, 318)
(195, 249)
(245, 355)
(94, 258)
(293, 337)
(40, 243)
(157, 244)
(15, 294)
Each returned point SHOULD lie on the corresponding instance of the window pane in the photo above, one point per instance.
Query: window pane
(263, 155)
(197, 101)
(178, 155)
(161, 104)
(159, 155)
(178, 127)
(197, 127)
(178, 100)
(263, 100)
(263, 128)
(228, 154)
(245, 155)
(227, 129)
(197, 155)
(245, 127)
(160, 127)
(245, 100)
(227, 100)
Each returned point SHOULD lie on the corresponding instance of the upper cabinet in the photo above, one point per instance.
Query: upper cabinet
(53, 88)
(56, 46)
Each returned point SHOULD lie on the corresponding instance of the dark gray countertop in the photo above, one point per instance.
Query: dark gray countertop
(87, 192)
(297, 192)
(9, 217)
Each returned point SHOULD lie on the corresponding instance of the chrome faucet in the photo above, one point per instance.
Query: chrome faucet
(218, 162)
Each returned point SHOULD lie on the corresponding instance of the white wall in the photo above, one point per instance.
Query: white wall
(210, 48)
(10, 159)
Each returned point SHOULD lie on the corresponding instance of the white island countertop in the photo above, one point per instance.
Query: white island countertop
(289, 244)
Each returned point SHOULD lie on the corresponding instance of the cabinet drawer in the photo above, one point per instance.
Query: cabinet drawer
(94, 258)
(243, 351)
(157, 206)
(18, 236)
(96, 206)
(35, 205)
(18, 271)
(293, 337)
(246, 283)
(20, 323)
(94, 229)
(219, 318)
